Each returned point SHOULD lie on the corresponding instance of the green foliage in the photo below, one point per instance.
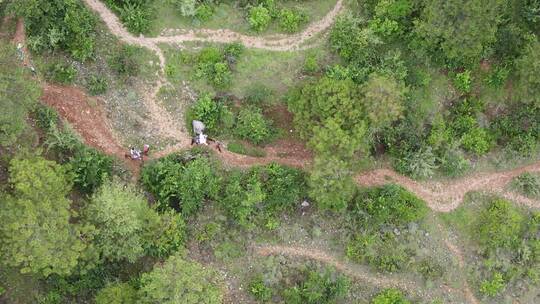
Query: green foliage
(461, 43)
(259, 18)
(528, 184)
(499, 225)
(124, 61)
(252, 126)
(527, 71)
(477, 140)
(388, 205)
(283, 186)
(420, 164)
(498, 76)
(331, 115)
(242, 196)
(318, 288)
(63, 141)
(117, 293)
(97, 85)
(215, 65)
(463, 81)
(330, 183)
(179, 281)
(18, 95)
(187, 8)
(383, 98)
(390, 296)
(135, 16)
(167, 236)
(259, 290)
(58, 25)
(310, 64)
(519, 130)
(181, 181)
(290, 20)
(119, 212)
(494, 286)
(90, 168)
(208, 111)
(35, 230)
(62, 73)
(453, 163)
(204, 12)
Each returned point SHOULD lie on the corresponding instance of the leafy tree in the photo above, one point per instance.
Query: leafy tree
(462, 29)
(259, 18)
(208, 111)
(390, 296)
(283, 185)
(330, 114)
(166, 235)
(242, 195)
(499, 225)
(330, 183)
(91, 169)
(117, 293)
(120, 215)
(383, 99)
(35, 230)
(290, 20)
(58, 25)
(352, 42)
(252, 126)
(528, 67)
(179, 281)
(18, 94)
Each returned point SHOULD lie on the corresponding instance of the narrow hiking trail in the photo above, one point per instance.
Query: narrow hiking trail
(354, 271)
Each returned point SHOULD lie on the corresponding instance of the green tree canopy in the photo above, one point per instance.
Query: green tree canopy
(18, 93)
(528, 72)
(383, 99)
(179, 281)
(35, 229)
(117, 293)
(462, 29)
(120, 215)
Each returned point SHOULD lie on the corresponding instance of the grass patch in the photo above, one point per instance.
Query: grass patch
(245, 149)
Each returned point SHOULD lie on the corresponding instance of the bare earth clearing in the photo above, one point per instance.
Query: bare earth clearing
(87, 117)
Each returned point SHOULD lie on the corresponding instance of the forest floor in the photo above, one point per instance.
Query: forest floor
(85, 114)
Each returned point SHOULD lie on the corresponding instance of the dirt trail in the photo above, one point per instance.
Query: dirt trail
(282, 43)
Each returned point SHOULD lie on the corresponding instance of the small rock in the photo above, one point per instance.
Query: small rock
(305, 204)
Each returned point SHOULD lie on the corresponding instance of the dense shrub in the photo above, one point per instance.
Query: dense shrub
(116, 293)
(290, 20)
(494, 286)
(58, 25)
(420, 164)
(208, 110)
(388, 205)
(215, 65)
(63, 141)
(382, 251)
(463, 81)
(259, 18)
(62, 73)
(242, 196)
(251, 125)
(528, 184)
(499, 225)
(167, 236)
(136, 15)
(97, 85)
(124, 61)
(390, 296)
(330, 183)
(181, 181)
(317, 288)
(259, 290)
(90, 169)
(284, 186)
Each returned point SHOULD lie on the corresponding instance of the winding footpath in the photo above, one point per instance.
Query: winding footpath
(440, 196)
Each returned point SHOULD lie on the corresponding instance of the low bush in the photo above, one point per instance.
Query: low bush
(124, 61)
(420, 164)
(251, 125)
(284, 186)
(90, 169)
(290, 20)
(242, 196)
(499, 225)
(61, 73)
(136, 15)
(477, 140)
(116, 293)
(259, 290)
(317, 288)
(528, 184)
(390, 296)
(215, 65)
(258, 94)
(311, 64)
(97, 85)
(63, 141)
(167, 236)
(182, 181)
(494, 286)
(209, 111)
(387, 205)
(382, 251)
(259, 18)
(46, 117)
(463, 81)
(204, 12)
